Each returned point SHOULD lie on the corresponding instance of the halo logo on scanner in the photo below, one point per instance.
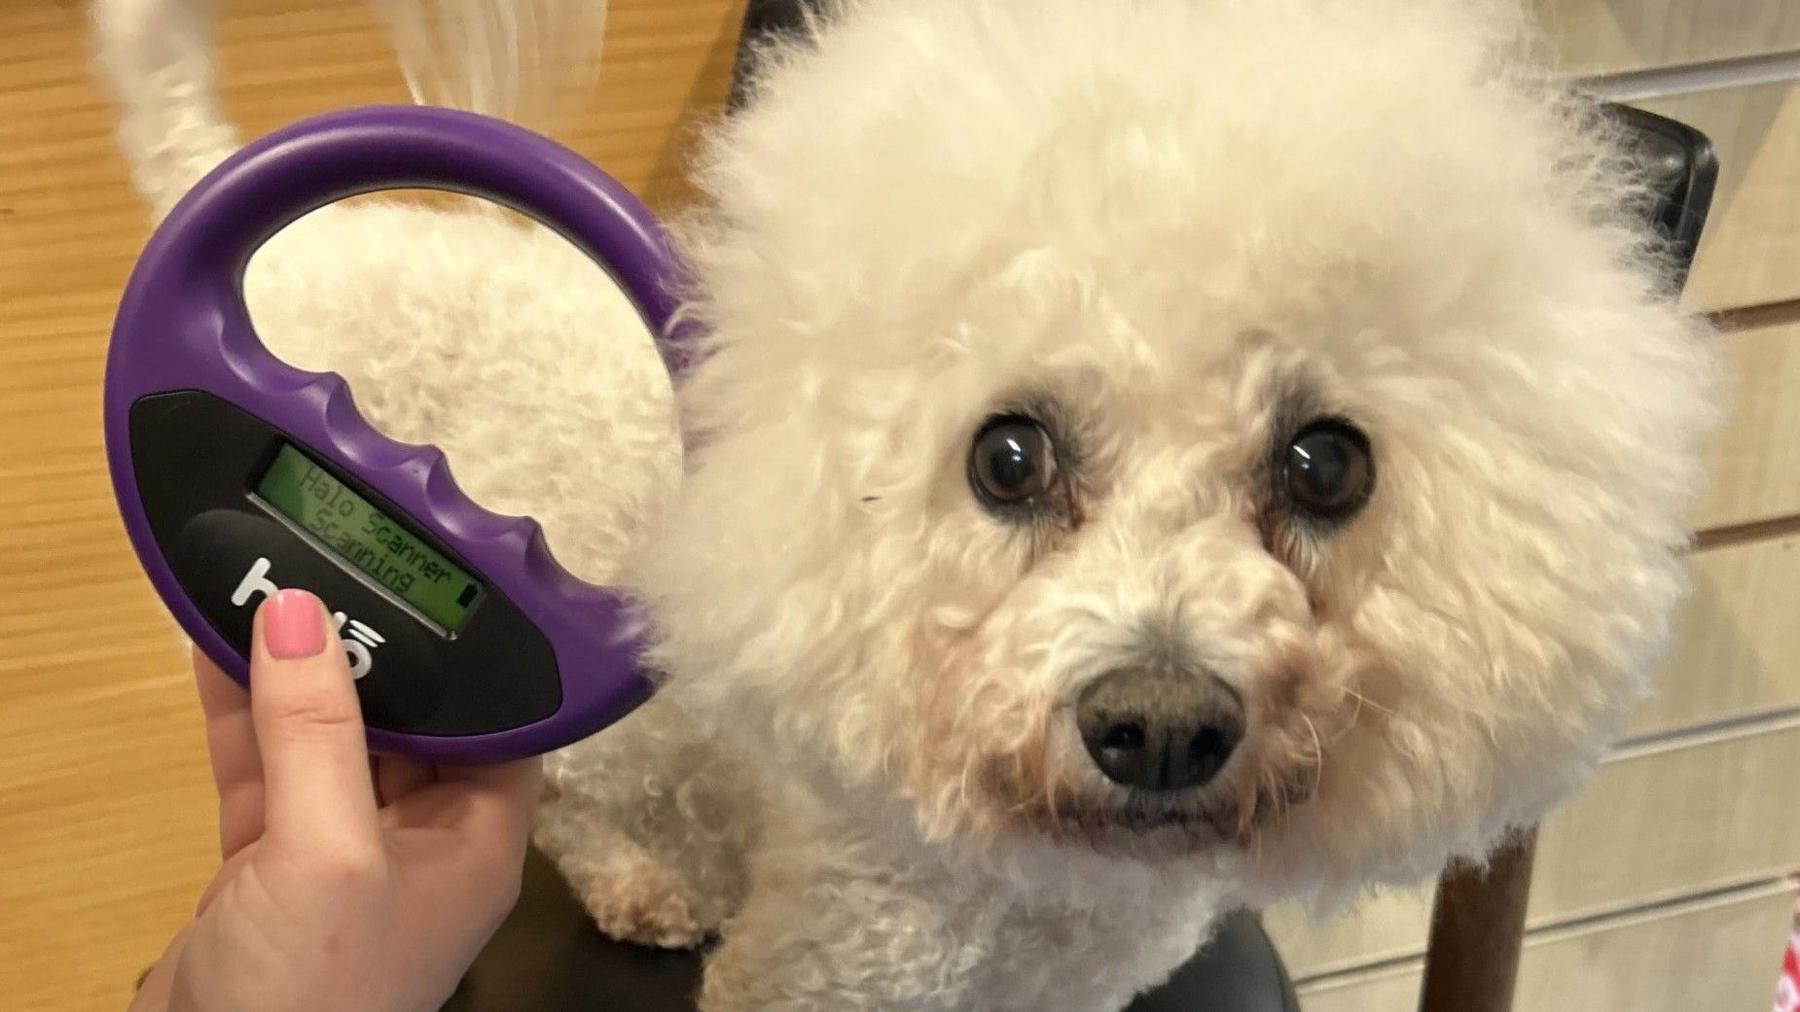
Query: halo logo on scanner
(358, 644)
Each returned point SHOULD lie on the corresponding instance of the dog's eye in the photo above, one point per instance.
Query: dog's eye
(1327, 470)
(1012, 462)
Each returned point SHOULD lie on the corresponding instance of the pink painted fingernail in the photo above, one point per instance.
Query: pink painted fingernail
(292, 625)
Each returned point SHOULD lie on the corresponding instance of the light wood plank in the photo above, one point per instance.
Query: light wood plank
(1737, 647)
(106, 822)
(1716, 810)
(1750, 252)
(1753, 466)
(1728, 950)
(1607, 36)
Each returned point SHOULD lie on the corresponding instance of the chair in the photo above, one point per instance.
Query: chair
(549, 956)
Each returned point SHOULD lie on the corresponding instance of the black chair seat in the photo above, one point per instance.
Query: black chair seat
(549, 956)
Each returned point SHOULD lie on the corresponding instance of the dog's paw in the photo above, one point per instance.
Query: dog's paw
(649, 905)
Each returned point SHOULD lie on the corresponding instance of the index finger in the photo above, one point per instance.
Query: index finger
(231, 747)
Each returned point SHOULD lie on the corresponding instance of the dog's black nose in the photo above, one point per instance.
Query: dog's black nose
(1160, 730)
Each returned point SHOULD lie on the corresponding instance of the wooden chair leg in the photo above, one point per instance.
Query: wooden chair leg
(1477, 928)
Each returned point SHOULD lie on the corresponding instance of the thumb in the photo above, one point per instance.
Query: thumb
(309, 729)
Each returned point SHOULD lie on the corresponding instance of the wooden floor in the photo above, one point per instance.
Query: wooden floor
(106, 825)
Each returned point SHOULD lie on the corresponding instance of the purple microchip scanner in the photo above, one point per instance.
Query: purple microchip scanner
(238, 474)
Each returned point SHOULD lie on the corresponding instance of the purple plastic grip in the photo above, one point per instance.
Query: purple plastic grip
(182, 325)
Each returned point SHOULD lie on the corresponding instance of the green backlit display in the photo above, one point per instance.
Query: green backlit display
(368, 539)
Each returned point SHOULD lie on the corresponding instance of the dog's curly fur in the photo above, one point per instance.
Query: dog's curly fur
(1173, 231)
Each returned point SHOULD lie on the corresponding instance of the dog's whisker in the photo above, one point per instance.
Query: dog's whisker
(1363, 700)
(1318, 751)
(1350, 724)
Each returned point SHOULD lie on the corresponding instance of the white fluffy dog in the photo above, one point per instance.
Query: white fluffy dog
(1151, 456)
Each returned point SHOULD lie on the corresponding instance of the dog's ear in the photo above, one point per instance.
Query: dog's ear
(518, 60)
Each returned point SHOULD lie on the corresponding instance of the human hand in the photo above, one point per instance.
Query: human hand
(348, 882)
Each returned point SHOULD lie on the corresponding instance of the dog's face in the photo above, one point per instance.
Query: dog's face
(1175, 429)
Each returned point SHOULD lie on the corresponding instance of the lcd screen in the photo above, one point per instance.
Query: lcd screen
(367, 539)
